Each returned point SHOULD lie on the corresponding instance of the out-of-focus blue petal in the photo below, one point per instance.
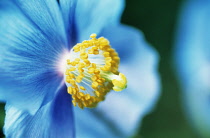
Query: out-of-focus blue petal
(31, 41)
(121, 113)
(193, 62)
(68, 11)
(53, 120)
(93, 15)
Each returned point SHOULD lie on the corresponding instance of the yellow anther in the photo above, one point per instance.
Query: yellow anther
(87, 96)
(72, 69)
(91, 70)
(108, 59)
(93, 65)
(116, 58)
(77, 59)
(85, 41)
(94, 85)
(95, 48)
(70, 91)
(104, 42)
(71, 76)
(108, 64)
(99, 81)
(105, 68)
(81, 65)
(81, 70)
(87, 62)
(96, 42)
(93, 78)
(97, 93)
(72, 82)
(111, 50)
(93, 36)
(67, 80)
(67, 72)
(90, 51)
(76, 62)
(82, 50)
(79, 79)
(74, 102)
(74, 90)
(102, 79)
(73, 63)
(68, 62)
(93, 98)
(105, 48)
(102, 90)
(106, 54)
(97, 71)
(76, 46)
(114, 54)
(85, 104)
(82, 88)
(95, 52)
(81, 75)
(121, 83)
(83, 55)
(74, 97)
(81, 105)
(81, 94)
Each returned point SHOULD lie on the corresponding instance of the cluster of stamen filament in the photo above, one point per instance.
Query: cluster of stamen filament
(102, 77)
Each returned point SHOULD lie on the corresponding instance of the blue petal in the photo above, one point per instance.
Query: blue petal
(121, 113)
(53, 120)
(31, 41)
(92, 16)
(68, 12)
(193, 64)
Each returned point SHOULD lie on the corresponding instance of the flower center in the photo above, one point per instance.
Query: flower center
(92, 71)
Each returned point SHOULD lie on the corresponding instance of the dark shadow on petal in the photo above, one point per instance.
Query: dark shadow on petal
(53, 120)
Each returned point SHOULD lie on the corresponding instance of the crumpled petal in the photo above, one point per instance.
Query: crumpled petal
(121, 112)
(53, 120)
(193, 64)
(31, 39)
(93, 15)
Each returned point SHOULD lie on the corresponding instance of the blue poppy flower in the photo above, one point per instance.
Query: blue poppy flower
(192, 60)
(34, 39)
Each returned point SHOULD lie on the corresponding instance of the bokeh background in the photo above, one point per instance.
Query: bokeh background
(158, 21)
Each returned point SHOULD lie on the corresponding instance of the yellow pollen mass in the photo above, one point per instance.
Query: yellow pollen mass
(92, 72)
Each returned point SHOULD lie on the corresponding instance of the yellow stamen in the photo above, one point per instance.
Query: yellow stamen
(92, 72)
(83, 88)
